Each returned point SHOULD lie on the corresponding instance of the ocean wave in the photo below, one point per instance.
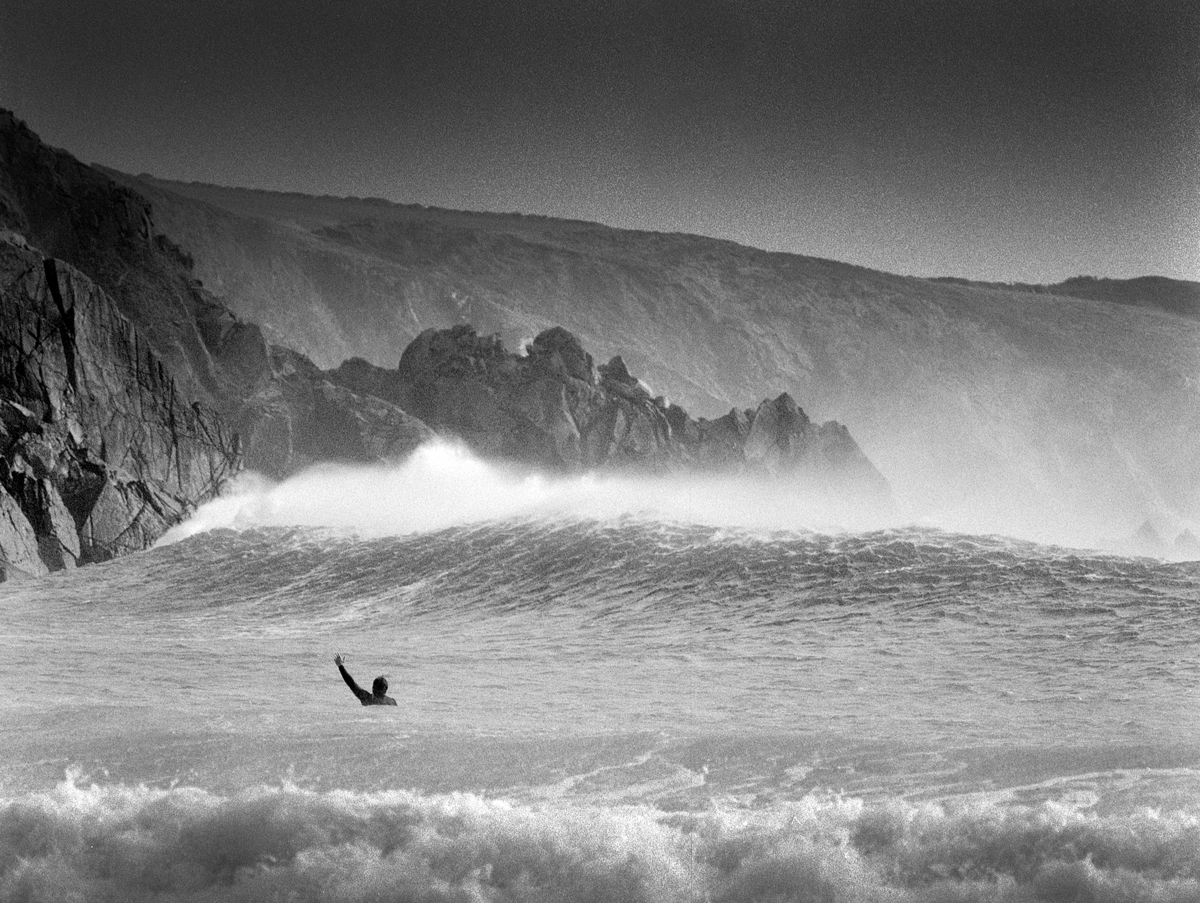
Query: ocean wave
(118, 842)
(631, 570)
(667, 568)
(443, 484)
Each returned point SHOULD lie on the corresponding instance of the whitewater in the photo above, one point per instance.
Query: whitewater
(610, 689)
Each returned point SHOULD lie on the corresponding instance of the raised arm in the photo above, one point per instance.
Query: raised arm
(358, 691)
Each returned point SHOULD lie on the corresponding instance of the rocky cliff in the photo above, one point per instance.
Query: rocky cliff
(129, 393)
(1074, 408)
(100, 449)
(299, 417)
(554, 408)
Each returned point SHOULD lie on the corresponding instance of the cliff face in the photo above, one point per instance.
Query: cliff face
(554, 408)
(117, 367)
(100, 451)
(69, 211)
(127, 391)
(299, 418)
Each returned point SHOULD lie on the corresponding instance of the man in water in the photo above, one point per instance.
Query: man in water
(378, 694)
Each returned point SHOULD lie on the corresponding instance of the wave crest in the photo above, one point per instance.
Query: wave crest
(443, 485)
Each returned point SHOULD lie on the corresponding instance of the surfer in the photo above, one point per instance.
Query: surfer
(378, 694)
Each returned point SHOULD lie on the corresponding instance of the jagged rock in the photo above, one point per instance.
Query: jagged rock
(114, 363)
(558, 351)
(104, 451)
(615, 377)
(127, 516)
(124, 385)
(615, 371)
(301, 418)
(721, 442)
(543, 409)
(780, 436)
(349, 427)
(58, 538)
(502, 405)
(69, 211)
(128, 393)
(366, 378)
(547, 409)
(683, 428)
(19, 553)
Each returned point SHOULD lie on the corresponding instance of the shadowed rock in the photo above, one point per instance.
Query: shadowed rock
(300, 418)
(548, 409)
(129, 394)
(19, 550)
(101, 450)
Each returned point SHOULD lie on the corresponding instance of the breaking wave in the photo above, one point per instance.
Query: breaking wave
(284, 843)
(444, 485)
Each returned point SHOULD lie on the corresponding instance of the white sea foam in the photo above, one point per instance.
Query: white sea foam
(283, 843)
(443, 484)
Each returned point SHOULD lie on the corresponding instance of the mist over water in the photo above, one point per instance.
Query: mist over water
(443, 485)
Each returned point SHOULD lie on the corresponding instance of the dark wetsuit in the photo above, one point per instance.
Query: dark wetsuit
(363, 696)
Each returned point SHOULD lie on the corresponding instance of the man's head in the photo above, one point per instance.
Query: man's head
(379, 687)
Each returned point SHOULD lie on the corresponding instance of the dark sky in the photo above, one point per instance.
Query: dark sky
(992, 139)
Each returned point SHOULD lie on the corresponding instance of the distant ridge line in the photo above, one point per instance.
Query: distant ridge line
(200, 191)
(1176, 296)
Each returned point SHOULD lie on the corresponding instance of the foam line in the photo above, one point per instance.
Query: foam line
(187, 844)
(443, 485)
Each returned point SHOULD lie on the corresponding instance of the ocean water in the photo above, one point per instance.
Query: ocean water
(608, 691)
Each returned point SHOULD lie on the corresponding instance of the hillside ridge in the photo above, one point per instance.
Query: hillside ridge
(977, 402)
(129, 393)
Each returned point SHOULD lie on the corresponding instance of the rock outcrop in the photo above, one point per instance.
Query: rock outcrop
(299, 418)
(69, 211)
(1069, 404)
(100, 451)
(129, 394)
(554, 408)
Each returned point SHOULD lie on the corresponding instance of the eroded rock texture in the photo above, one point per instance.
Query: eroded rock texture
(129, 393)
(553, 407)
(299, 418)
(100, 451)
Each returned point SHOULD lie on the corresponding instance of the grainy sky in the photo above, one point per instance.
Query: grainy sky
(991, 139)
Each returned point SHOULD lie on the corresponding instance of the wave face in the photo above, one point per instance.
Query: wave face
(700, 702)
(913, 629)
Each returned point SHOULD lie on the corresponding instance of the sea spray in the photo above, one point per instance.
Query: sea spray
(443, 484)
